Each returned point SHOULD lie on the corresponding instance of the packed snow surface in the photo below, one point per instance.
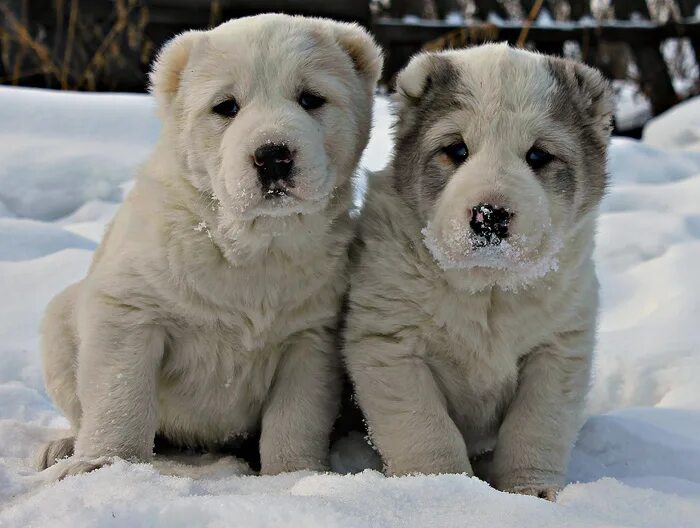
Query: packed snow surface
(679, 128)
(66, 161)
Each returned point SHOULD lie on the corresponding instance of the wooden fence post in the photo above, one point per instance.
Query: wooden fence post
(485, 7)
(401, 8)
(654, 79)
(589, 40)
(552, 48)
(579, 9)
(397, 56)
(445, 7)
(688, 9)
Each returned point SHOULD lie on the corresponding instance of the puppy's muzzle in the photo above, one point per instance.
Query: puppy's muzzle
(274, 164)
(490, 224)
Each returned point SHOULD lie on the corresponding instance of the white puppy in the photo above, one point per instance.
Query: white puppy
(210, 308)
(473, 303)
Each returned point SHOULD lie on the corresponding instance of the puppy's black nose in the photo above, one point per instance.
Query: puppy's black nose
(274, 164)
(490, 223)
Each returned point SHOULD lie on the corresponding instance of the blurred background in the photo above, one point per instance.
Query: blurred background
(649, 49)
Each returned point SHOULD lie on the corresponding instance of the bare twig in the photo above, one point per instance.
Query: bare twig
(214, 13)
(116, 30)
(22, 75)
(23, 36)
(70, 38)
(530, 19)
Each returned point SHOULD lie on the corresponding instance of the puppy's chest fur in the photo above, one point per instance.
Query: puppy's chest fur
(219, 366)
(209, 390)
(226, 335)
(227, 324)
(474, 345)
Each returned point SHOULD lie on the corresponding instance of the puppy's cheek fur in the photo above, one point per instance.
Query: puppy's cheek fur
(434, 178)
(343, 137)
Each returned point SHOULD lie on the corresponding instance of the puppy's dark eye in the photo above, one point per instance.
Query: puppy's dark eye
(309, 101)
(457, 152)
(228, 108)
(538, 158)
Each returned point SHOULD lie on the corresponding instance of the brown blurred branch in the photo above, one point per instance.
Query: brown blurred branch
(536, 7)
(24, 38)
(70, 39)
(117, 29)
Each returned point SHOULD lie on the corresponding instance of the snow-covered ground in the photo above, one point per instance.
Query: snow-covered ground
(65, 161)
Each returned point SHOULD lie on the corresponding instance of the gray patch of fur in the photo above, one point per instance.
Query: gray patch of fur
(418, 177)
(581, 101)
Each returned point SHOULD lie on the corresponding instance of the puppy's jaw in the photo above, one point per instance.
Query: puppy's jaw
(244, 198)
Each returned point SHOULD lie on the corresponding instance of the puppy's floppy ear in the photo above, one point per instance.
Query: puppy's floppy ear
(599, 96)
(365, 53)
(423, 71)
(414, 79)
(169, 64)
(586, 88)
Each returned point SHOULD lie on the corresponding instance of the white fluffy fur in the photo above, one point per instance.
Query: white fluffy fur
(209, 312)
(456, 351)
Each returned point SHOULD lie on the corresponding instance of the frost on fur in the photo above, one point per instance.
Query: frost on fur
(460, 249)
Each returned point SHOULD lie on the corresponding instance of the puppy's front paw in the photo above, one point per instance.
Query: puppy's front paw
(75, 466)
(548, 493)
(53, 451)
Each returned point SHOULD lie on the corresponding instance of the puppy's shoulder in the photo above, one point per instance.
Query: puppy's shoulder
(385, 217)
(389, 257)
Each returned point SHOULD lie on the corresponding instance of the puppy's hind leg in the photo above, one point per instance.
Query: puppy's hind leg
(51, 452)
(59, 356)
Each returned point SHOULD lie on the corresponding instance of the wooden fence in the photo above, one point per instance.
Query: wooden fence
(402, 34)
(109, 44)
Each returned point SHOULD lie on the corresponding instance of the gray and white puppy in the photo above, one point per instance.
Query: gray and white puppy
(210, 307)
(472, 310)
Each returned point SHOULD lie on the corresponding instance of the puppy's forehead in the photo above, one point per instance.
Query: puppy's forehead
(498, 78)
(272, 43)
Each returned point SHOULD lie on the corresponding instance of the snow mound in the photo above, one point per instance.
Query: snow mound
(27, 239)
(61, 149)
(67, 160)
(679, 128)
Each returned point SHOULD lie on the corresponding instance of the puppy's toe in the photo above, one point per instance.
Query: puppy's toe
(75, 466)
(51, 452)
(547, 493)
